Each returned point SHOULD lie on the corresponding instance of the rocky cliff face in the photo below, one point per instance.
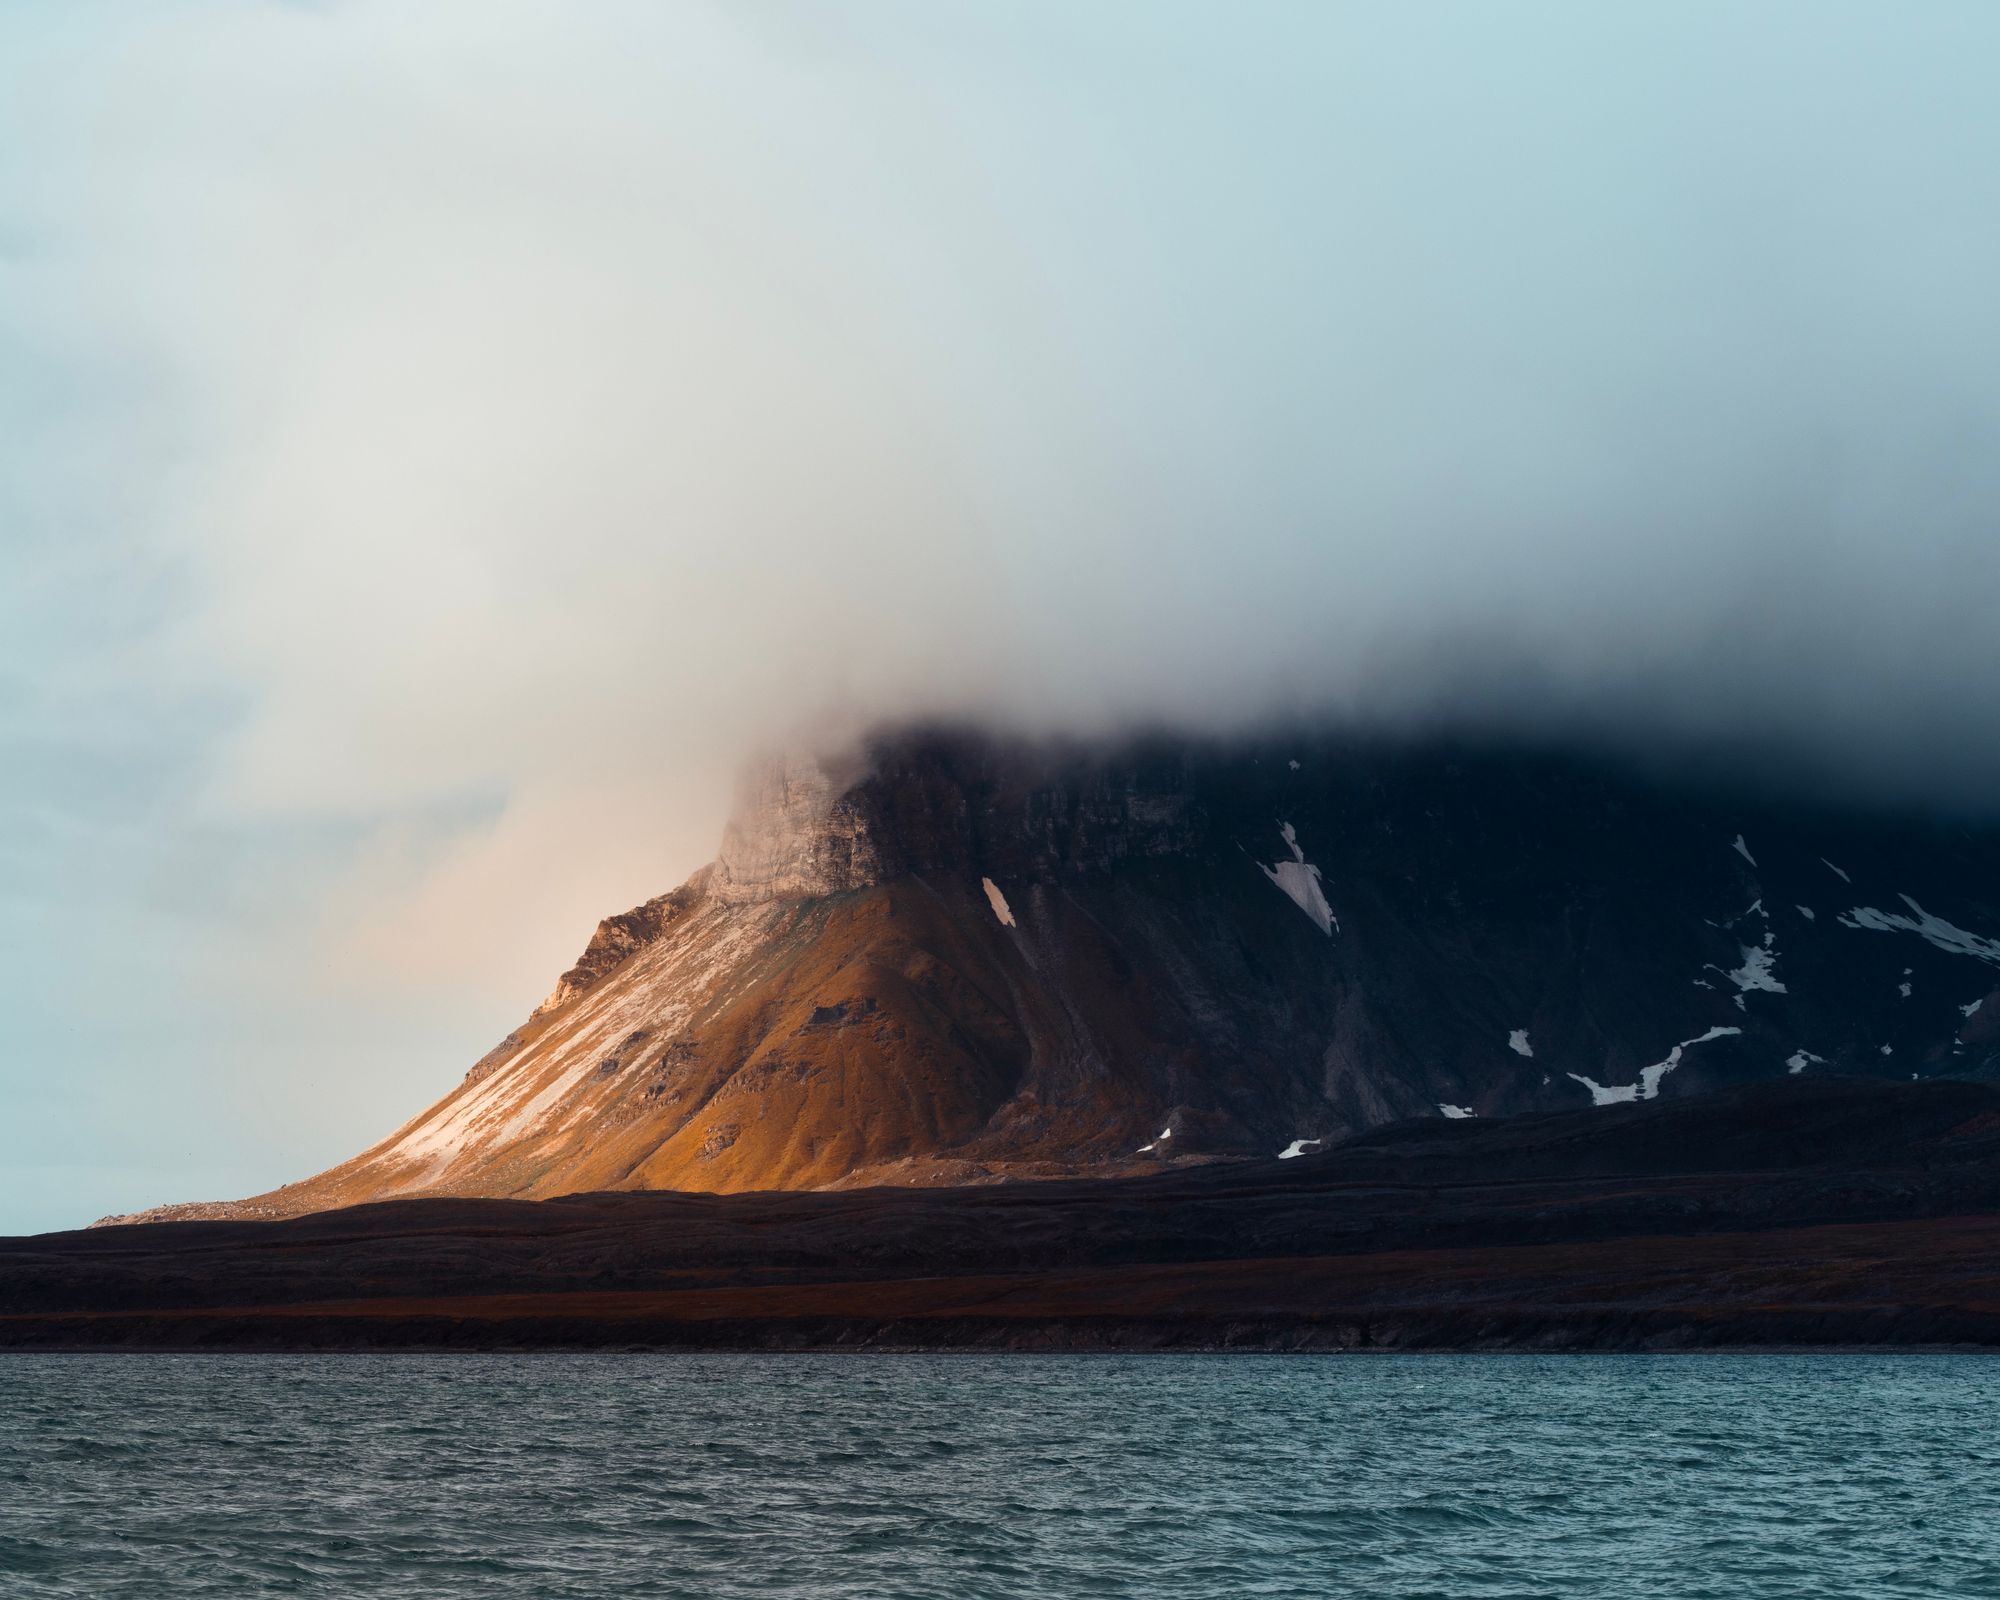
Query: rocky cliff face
(798, 831)
(946, 957)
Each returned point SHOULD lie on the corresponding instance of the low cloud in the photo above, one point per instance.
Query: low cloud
(527, 409)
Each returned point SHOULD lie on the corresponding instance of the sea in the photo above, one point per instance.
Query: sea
(957, 1477)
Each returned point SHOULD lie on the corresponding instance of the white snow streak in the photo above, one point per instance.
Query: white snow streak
(1600, 1095)
(1807, 913)
(1648, 1086)
(1933, 929)
(1830, 867)
(1743, 850)
(1296, 1148)
(1759, 970)
(1300, 879)
(1798, 1058)
(1457, 1112)
(658, 987)
(1517, 1041)
(998, 902)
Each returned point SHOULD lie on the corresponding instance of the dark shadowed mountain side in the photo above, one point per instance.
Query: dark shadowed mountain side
(1802, 1212)
(951, 958)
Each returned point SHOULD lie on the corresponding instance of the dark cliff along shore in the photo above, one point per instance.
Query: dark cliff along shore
(1825, 1213)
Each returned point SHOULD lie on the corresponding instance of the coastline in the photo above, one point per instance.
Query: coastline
(1837, 1215)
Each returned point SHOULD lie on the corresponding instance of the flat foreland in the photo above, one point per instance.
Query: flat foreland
(1813, 1213)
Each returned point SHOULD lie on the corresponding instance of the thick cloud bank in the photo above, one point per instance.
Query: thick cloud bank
(442, 437)
(546, 385)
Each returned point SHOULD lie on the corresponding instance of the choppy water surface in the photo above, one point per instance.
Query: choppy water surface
(885, 1476)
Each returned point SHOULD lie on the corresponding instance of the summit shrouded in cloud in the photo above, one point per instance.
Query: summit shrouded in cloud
(441, 441)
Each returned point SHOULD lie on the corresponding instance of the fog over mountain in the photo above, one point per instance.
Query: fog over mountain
(441, 441)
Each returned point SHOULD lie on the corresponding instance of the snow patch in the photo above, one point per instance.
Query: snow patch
(1457, 1112)
(1517, 1041)
(1743, 850)
(1798, 1058)
(1758, 972)
(1933, 929)
(1296, 1148)
(1293, 765)
(1601, 1095)
(1966, 1011)
(1903, 988)
(1830, 867)
(1300, 880)
(998, 902)
(1648, 1086)
(1889, 1050)
(1159, 1138)
(1806, 912)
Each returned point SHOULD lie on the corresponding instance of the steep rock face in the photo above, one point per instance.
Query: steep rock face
(952, 958)
(619, 937)
(797, 831)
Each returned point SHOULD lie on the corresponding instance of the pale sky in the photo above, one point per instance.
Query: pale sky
(440, 439)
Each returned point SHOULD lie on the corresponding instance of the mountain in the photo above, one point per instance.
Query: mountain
(947, 957)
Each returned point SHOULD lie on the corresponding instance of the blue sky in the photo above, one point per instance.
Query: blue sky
(439, 441)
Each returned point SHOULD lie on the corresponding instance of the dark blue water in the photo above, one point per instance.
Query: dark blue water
(1740, 1478)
